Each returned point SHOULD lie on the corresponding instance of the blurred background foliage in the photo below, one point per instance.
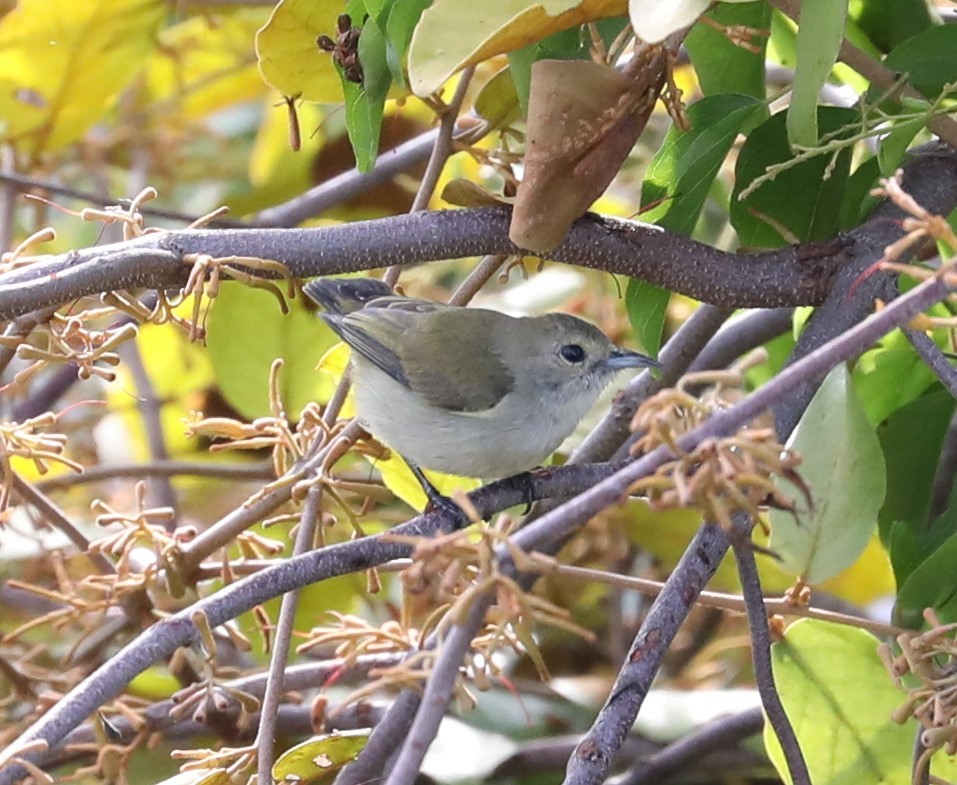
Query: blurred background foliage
(101, 98)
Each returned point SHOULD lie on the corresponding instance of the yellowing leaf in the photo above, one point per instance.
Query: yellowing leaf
(289, 57)
(839, 699)
(399, 479)
(333, 366)
(273, 162)
(666, 534)
(335, 361)
(65, 64)
(206, 66)
(453, 34)
(313, 761)
(246, 332)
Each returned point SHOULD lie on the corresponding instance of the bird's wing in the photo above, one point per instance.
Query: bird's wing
(431, 363)
(457, 374)
(371, 330)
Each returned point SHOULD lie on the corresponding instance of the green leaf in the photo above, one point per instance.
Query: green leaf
(932, 584)
(679, 178)
(839, 699)
(890, 376)
(246, 332)
(721, 66)
(497, 102)
(570, 44)
(929, 59)
(858, 202)
(820, 32)
(889, 22)
(365, 103)
(910, 546)
(683, 170)
(403, 17)
(841, 462)
(820, 181)
(377, 10)
(647, 305)
(782, 46)
(911, 462)
(895, 144)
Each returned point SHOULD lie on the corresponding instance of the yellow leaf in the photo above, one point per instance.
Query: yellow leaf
(205, 65)
(454, 34)
(290, 60)
(65, 63)
(273, 163)
(333, 365)
(399, 479)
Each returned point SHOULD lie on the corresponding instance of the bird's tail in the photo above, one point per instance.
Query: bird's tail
(345, 295)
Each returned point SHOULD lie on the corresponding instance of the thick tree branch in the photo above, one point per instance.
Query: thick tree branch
(930, 177)
(797, 275)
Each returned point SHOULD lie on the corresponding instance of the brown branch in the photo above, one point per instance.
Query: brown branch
(797, 275)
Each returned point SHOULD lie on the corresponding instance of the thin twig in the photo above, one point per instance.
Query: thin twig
(722, 601)
(740, 335)
(58, 519)
(719, 734)
(261, 470)
(597, 750)
(935, 359)
(440, 154)
(438, 692)
(21, 328)
(761, 657)
(266, 735)
(348, 185)
(475, 280)
(150, 406)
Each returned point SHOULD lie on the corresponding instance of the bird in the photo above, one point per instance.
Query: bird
(466, 391)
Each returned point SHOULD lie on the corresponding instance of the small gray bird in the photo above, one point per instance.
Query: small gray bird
(466, 390)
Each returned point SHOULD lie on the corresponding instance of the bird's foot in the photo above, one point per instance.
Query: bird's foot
(438, 501)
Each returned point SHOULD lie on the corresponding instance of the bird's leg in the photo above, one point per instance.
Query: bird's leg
(438, 500)
(525, 483)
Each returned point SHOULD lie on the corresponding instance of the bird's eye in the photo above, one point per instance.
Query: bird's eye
(572, 353)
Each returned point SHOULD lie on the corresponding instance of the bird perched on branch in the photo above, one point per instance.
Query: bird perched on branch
(467, 391)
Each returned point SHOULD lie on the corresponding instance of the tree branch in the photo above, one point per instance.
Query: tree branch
(797, 275)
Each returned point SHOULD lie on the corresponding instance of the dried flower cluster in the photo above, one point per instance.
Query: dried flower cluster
(720, 476)
(453, 570)
(926, 669)
(27, 440)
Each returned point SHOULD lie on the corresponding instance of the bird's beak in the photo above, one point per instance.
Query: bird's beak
(624, 358)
